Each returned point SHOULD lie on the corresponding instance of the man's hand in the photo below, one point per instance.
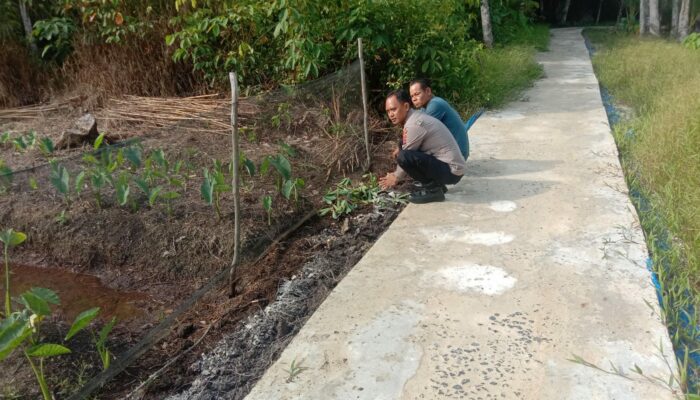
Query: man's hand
(389, 181)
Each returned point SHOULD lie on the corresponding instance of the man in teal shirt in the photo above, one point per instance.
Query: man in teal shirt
(422, 97)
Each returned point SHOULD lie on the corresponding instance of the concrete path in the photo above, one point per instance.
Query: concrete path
(536, 256)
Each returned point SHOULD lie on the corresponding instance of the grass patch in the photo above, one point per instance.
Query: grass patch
(501, 73)
(660, 149)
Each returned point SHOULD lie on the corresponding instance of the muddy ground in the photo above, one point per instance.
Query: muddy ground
(156, 258)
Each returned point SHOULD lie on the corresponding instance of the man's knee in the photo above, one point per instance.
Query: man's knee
(404, 158)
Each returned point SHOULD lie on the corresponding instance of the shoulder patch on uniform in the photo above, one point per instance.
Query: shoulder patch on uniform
(419, 122)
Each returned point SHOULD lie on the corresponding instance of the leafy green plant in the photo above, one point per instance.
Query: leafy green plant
(10, 238)
(291, 187)
(692, 41)
(122, 189)
(267, 206)
(5, 138)
(22, 329)
(61, 218)
(25, 142)
(6, 175)
(152, 193)
(346, 197)
(60, 179)
(33, 183)
(213, 186)
(281, 165)
(101, 343)
(283, 115)
(55, 36)
(46, 146)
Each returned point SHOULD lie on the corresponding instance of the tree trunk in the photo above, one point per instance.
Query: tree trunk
(27, 23)
(564, 12)
(600, 7)
(674, 17)
(654, 24)
(619, 11)
(643, 17)
(684, 20)
(486, 23)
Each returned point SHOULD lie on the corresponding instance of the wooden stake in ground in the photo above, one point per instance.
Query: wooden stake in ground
(364, 102)
(236, 201)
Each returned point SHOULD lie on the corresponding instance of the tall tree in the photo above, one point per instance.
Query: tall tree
(619, 11)
(684, 20)
(486, 23)
(654, 23)
(27, 23)
(675, 9)
(600, 7)
(643, 17)
(564, 12)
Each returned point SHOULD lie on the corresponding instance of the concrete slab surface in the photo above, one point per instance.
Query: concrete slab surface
(536, 256)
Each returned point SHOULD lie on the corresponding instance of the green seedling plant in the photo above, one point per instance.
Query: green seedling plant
(101, 343)
(101, 166)
(295, 368)
(22, 330)
(46, 146)
(244, 164)
(345, 198)
(267, 206)
(152, 193)
(340, 200)
(122, 189)
(60, 179)
(33, 183)
(25, 142)
(6, 175)
(283, 116)
(281, 165)
(5, 138)
(214, 184)
(291, 188)
(10, 238)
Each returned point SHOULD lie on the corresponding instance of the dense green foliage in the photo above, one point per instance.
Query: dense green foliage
(660, 148)
(281, 41)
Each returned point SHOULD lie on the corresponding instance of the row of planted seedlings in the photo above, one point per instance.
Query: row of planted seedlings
(131, 177)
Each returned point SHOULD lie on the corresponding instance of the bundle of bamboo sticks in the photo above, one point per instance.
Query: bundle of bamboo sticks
(38, 110)
(206, 113)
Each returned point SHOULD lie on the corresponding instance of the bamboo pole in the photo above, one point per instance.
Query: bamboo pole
(364, 102)
(236, 201)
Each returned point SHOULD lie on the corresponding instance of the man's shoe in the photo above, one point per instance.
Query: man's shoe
(421, 186)
(427, 195)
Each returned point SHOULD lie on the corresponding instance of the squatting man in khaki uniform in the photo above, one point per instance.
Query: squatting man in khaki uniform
(429, 153)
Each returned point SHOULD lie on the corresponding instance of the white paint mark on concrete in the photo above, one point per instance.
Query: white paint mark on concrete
(382, 357)
(459, 234)
(485, 279)
(503, 206)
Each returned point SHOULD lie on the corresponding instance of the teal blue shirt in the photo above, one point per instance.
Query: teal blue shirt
(441, 109)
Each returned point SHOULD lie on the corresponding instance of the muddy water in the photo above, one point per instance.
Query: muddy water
(78, 292)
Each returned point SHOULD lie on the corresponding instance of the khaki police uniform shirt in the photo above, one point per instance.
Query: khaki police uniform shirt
(424, 133)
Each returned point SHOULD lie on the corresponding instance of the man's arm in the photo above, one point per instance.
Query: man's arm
(413, 136)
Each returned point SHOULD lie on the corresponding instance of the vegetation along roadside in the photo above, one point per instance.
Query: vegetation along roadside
(654, 82)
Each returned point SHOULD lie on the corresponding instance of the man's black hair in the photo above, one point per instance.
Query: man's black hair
(423, 82)
(401, 95)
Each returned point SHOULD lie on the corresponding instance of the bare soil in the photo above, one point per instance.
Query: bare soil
(158, 258)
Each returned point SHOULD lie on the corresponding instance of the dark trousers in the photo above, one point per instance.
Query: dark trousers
(426, 168)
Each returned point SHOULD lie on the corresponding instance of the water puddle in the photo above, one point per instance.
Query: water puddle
(77, 292)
